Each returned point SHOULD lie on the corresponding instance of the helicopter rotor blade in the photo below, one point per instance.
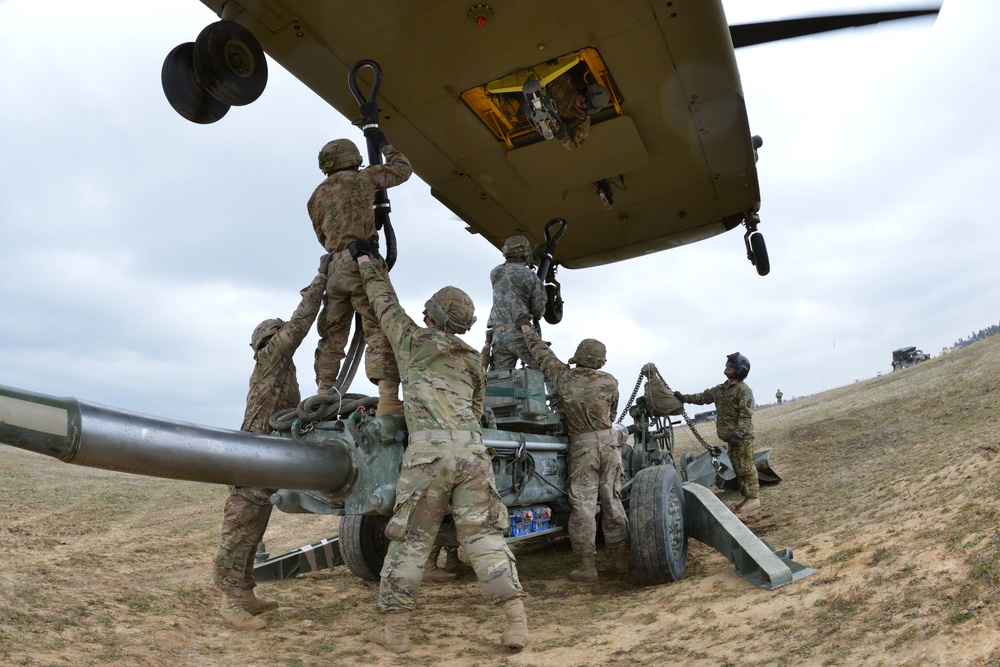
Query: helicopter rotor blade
(750, 34)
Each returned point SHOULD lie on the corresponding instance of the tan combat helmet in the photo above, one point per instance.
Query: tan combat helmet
(451, 310)
(337, 155)
(590, 353)
(262, 333)
(516, 249)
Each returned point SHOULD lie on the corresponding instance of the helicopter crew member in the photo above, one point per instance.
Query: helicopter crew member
(575, 104)
(445, 463)
(341, 212)
(517, 292)
(589, 402)
(734, 405)
(273, 387)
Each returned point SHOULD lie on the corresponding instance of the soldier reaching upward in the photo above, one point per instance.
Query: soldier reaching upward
(517, 292)
(445, 462)
(341, 212)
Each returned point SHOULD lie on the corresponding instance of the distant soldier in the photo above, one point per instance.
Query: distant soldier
(517, 292)
(341, 212)
(273, 387)
(575, 105)
(734, 424)
(778, 396)
(589, 402)
(445, 463)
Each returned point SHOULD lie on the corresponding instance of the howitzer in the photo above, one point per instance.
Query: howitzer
(349, 466)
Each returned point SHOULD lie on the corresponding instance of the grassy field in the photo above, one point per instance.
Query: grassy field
(891, 491)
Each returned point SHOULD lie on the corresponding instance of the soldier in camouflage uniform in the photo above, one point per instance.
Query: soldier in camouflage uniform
(445, 463)
(575, 105)
(517, 292)
(273, 387)
(734, 404)
(341, 212)
(589, 402)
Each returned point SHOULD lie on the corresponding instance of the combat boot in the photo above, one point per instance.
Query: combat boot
(395, 633)
(237, 617)
(587, 572)
(255, 605)
(433, 573)
(388, 399)
(620, 557)
(456, 564)
(747, 505)
(515, 635)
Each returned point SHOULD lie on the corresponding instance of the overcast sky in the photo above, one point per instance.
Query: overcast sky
(139, 250)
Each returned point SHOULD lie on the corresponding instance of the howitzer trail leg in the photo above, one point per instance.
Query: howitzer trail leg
(515, 635)
(255, 605)
(236, 617)
(395, 633)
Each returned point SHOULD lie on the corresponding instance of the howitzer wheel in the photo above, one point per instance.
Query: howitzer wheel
(363, 544)
(656, 525)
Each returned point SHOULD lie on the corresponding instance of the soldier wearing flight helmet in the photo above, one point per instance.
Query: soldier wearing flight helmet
(341, 212)
(575, 104)
(734, 405)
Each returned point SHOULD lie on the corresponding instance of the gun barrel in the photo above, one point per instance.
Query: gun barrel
(113, 439)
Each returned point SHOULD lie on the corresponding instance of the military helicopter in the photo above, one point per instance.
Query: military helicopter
(669, 158)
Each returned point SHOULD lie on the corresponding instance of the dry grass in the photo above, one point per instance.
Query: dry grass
(890, 490)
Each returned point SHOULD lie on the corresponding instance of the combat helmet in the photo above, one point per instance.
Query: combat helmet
(740, 363)
(590, 353)
(597, 97)
(451, 310)
(337, 155)
(263, 332)
(516, 248)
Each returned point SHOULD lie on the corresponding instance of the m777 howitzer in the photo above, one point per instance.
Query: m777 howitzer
(348, 466)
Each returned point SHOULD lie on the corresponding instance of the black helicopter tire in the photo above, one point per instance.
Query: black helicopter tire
(363, 544)
(759, 251)
(656, 525)
(229, 63)
(183, 93)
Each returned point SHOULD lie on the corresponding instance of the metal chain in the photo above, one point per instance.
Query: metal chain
(715, 451)
(631, 398)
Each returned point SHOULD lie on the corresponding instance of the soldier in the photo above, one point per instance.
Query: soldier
(734, 423)
(517, 292)
(445, 463)
(575, 105)
(589, 402)
(341, 212)
(273, 387)
(453, 565)
(778, 395)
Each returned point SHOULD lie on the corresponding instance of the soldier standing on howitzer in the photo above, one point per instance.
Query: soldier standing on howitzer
(445, 462)
(273, 387)
(341, 212)
(575, 104)
(517, 292)
(734, 424)
(589, 402)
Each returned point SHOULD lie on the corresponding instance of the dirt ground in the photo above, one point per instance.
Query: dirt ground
(890, 492)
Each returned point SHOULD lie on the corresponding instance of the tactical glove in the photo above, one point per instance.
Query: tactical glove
(649, 370)
(524, 320)
(377, 137)
(359, 248)
(679, 396)
(324, 263)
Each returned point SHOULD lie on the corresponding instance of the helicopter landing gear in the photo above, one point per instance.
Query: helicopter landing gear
(225, 66)
(756, 250)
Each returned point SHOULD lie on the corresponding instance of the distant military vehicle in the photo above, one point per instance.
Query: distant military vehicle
(346, 462)
(907, 356)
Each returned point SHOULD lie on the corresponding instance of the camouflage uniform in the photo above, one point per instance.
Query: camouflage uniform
(341, 212)
(273, 387)
(517, 291)
(445, 461)
(734, 403)
(564, 93)
(589, 402)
